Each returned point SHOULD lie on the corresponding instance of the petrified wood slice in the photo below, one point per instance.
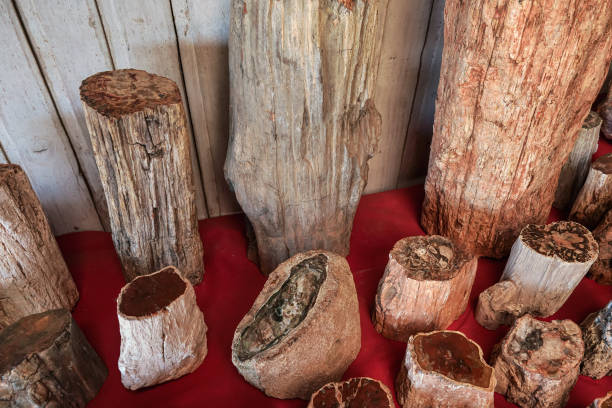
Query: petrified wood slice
(537, 363)
(603, 402)
(601, 270)
(304, 124)
(360, 392)
(303, 329)
(46, 361)
(138, 132)
(163, 334)
(444, 369)
(597, 337)
(595, 197)
(426, 286)
(33, 275)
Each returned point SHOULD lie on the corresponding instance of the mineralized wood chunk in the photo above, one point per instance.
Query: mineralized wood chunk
(46, 361)
(360, 392)
(603, 402)
(139, 137)
(303, 330)
(33, 275)
(444, 369)
(605, 110)
(595, 197)
(537, 363)
(601, 270)
(597, 337)
(163, 334)
(426, 286)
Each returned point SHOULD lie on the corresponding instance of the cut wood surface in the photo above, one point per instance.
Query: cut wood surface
(359, 392)
(595, 197)
(506, 117)
(138, 132)
(597, 336)
(601, 270)
(603, 402)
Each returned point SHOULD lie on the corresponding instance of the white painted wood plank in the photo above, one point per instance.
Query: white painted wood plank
(32, 135)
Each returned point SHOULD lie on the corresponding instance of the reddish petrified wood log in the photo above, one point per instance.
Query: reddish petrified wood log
(425, 287)
(601, 270)
(597, 337)
(506, 118)
(595, 196)
(360, 392)
(603, 402)
(444, 369)
(537, 363)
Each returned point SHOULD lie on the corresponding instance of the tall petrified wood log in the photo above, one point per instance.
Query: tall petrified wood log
(360, 392)
(546, 264)
(595, 197)
(33, 275)
(444, 369)
(303, 120)
(163, 334)
(537, 363)
(506, 117)
(137, 126)
(303, 329)
(46, 361)
(603, 402)
(597, 336)
(426, 286)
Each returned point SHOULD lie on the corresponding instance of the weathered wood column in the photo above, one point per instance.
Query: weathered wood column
(303, 121)
(137, 126)
(517, 81)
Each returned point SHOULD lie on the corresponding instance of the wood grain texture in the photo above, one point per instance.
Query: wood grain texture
(597, 337)
(601, 270)
(507, 117)
(595, 196)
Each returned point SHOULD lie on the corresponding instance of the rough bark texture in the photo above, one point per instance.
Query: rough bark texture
(597, 336)
(576, 167)
(303, 121)
(601, 270)
(303, 330)
(537, 363)
(360, 392)
(603, 402)
(517, 80)
(163, 334)
(46, 361)
(444, 369)
(426, 286)
(595, 197)
(33, 275)
(138, 133)
(499, 305)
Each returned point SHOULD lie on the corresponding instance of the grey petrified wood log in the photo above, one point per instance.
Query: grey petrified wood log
(601, 270)
(603, 402)
(595, 196)
(597, 336)
(303, 121)
(33, 275)
(359, 392)
(506, 118)
(163, 334)
(46, 361)
(138, 133)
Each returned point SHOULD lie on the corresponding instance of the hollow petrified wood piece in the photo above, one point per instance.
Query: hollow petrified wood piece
(444, 369)
(303, 329)
(595, 197)
(360, 392)
(537, 363)
(33, 275)
(603, 402)
(46, 361)
(601, 270)
(597, 337)
(138, 132)
(426, 286)
(304, 124)
(163, 334)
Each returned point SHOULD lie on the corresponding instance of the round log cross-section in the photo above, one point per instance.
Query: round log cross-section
(138, 133)
(597, 337)
(595, 197)
(359, 392)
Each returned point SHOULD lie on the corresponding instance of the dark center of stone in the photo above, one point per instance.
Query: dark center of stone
(148, 294)
(354, 393)
(567, 240)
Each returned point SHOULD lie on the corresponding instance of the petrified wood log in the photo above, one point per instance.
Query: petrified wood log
(303, 329)
(46, 361)
(499, 305)
(595, 196)
(576, 167)
(360, 392)
(304, 124)
(426, 286)
(163, 334)
(603, 402)
(601, 270)
(597, 337)
(33, 275)
(605, 111)
(444, 369)
(537, 363)
(506, 118)
(137, 126)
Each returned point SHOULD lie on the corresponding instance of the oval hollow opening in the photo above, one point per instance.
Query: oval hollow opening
(149, 294)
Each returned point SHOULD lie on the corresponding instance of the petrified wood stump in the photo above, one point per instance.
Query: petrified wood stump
(506, 118)
(303, 329)
(595, 197)
(597, 337)
(426, 286)
(46, 361)
(444, 369)
(163, 334)
(603, 402)
(137, 126)
(33, 275)
(605, 111)
(537, 363)
(303, 120)
(601, 270)
(360, 392)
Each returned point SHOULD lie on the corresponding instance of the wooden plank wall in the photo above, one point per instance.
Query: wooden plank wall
(51, 46)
